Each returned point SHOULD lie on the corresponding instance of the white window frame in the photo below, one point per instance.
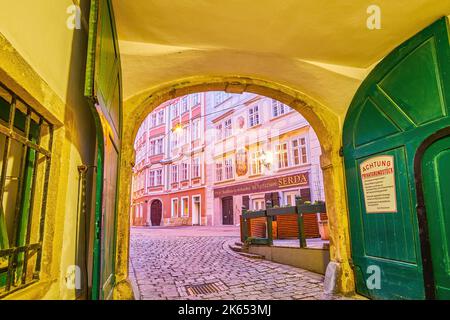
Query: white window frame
(184, 104)
(279, 151)
(151, 179)
(158, 177)
(279, 108)
(161, 117)
(195, 100)
(219, 178)
(185, 134)
(254, 118)
(174, 140)
(229, 168)
(159, 145)
(153, 120)
(172, 211)
(183, 199)
(259, 201)
(196, 167)
(219, 132)
(227, 128)
(195, 129)
(199, 196)
(299, 148)
(256, 162)
(184, 171)
(152, 147)
(174, 173)
(174, 110)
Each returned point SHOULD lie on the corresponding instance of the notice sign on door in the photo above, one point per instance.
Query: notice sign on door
(378, 182)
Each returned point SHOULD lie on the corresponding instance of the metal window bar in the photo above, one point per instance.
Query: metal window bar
(29, 250)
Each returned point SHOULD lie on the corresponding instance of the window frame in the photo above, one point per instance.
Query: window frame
(285, 152)
(229, 168)
(174, 214)
(299, 147)
(254, 118)
(182, 206)
(196, 167)
(174, 173)
(18, 252)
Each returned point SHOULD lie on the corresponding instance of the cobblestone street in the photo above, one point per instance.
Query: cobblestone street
(166, 260)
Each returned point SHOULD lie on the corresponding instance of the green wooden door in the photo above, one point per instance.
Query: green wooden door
(404, 100)
(436, 190)
(104, 89)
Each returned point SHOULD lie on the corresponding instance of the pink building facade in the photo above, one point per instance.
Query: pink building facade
(202, 157)
(169, 173)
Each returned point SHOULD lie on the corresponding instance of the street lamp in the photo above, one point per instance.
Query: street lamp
(266, 159)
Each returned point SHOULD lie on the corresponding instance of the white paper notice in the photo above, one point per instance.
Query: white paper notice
(378, 181)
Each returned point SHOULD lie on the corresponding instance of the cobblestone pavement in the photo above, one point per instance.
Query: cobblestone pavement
(166, 260)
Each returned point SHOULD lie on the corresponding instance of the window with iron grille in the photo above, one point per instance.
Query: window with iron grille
(25, 155)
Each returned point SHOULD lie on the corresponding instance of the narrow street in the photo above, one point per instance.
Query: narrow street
(164, 261)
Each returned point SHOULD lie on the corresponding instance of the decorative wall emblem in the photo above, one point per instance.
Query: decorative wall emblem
(241, 122)
(241, 162)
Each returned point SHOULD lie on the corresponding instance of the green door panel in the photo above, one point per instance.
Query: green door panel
(419, 97)
(404, 100)
(104, 89)
(436, 189)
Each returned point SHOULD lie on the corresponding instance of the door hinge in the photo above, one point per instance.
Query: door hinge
(341, 151)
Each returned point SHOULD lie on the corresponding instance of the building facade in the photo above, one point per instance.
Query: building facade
(202, 157)
(168, 177)
(261, 150)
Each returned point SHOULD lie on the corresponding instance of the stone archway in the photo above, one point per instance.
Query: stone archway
(325, 123)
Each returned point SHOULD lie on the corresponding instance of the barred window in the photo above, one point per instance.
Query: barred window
(25, 155)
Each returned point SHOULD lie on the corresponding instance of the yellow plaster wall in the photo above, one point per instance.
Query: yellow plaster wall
(43, 61)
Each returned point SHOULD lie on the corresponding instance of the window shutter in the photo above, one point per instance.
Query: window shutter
(246, 202)
(305, 194)
(275, 199)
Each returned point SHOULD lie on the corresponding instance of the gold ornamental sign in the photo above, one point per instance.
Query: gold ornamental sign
(241, 162)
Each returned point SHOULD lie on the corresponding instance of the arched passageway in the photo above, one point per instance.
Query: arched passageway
(325, 123)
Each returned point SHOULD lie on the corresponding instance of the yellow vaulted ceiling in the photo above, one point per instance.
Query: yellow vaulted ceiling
(320, 47)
